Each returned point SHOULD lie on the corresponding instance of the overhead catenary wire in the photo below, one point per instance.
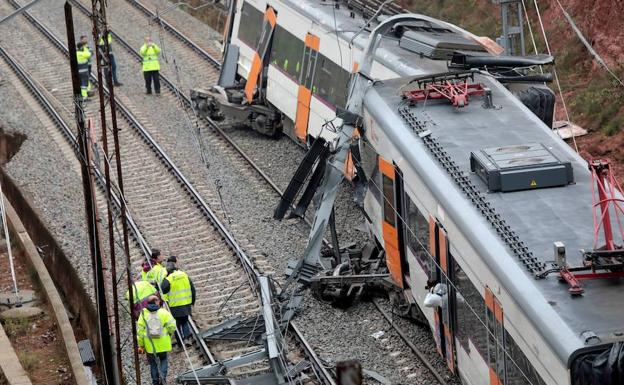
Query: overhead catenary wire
(563, 102)
(591, 49)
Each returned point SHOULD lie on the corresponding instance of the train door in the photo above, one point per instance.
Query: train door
(444, 316)
(306, 79)
(392, 226)
(264, 42)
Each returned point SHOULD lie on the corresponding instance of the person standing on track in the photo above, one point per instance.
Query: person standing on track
(151, 66)
(153, 270)
(88, 53)
(113, 62)
(142, 291)
(179, 292)
(154, 329)
(83, 56)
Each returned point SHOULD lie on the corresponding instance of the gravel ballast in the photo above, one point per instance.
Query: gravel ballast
(248, 202)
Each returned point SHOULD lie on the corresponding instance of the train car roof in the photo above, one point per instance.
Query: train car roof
(538, 216)
(390, 53)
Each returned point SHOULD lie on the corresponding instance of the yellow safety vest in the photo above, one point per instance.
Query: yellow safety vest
(156, 344)
(150, 57)
(110, 40)
(141, 290)
(155, 275)
(180, 293)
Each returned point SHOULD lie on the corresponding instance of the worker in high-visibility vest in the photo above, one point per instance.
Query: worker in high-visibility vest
(154, 271)
(154, 329)
(87, 50)
(83, 57)
(113, 62)
(142, 290)
(151, 66)
(179, 293)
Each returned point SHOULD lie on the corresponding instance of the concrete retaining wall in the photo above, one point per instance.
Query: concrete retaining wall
(53, 268)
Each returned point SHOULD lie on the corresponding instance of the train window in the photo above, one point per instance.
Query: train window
(370, 162)
(250, 25)
(469, 325)
(418, 236)
(496, 354)
(388, 193)
(331, 82)
(519, 368)
(286, 52)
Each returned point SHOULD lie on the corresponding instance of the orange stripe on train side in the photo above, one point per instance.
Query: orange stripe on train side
(312, 41)
(494, 380)
(349, 169)
(271, 16)
(450, 354)
(386, 168)
(498, 311)
(356, 67)
(432, 236)
(252, 79)
(489, 299)
(443, 249)
(225, 27)
(393, 256)
(304, 96)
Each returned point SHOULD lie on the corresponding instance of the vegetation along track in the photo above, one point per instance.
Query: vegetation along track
(177, 91)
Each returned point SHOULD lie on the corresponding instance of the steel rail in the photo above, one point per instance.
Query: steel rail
(411, 345)
(250, 269)
(73, 142)
(69, 136)
(325, 376)
(320, 370)
(188, 104)
(161, 154)
(246, 262)
(176, 33)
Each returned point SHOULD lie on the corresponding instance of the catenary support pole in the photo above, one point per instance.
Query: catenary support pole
(90, 205)
(104, 66)
(100, 63)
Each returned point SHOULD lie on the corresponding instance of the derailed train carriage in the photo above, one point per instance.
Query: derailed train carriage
(488, 220)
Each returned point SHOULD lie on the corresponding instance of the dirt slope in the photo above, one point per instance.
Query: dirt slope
(594, 100)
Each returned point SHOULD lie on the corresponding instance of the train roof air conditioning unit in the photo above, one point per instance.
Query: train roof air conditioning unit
(520, 167)
(436, 43)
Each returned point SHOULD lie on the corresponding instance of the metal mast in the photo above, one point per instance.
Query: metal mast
(91, 210)
(512, 38)
(101, 33)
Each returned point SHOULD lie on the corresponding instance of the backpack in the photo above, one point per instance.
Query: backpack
(154, 326)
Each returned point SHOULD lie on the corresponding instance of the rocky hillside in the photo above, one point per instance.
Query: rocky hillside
(595, 100)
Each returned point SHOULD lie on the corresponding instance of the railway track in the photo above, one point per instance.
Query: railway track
(181, 37)
(201, 240)
(177, 91)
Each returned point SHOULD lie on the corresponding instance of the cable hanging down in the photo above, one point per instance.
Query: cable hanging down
(18, 299)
